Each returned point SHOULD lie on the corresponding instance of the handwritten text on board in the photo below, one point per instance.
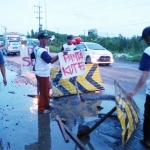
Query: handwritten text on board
(72, 64)
(26, 62)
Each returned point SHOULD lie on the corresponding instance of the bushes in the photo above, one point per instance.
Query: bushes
(118, 44)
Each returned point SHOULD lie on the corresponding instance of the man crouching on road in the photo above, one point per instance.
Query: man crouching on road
(2, 67)
(42, 72)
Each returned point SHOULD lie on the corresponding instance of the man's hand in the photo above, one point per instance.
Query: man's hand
(65, 52)
(130, 94)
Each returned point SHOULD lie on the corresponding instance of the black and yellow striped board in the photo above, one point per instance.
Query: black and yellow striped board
(127, 112)
(91, 81)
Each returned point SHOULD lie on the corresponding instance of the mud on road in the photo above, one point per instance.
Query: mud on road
(30, 131)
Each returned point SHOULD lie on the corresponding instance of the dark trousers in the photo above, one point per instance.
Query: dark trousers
(146, 124)
(44, 96)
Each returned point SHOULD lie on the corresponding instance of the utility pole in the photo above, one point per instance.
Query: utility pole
(5, 29)
(57, 30)
(84, 34)
(39, 17)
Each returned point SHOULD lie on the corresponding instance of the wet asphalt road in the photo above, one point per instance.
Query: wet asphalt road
(21, 128)
(125, 72)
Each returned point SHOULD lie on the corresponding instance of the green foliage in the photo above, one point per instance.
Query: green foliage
(118, 44)
(55, 49)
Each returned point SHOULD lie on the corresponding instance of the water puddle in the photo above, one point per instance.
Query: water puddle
(22, 128)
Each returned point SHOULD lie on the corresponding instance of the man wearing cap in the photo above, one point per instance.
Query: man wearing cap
(42, 72)
(2, 67)
(145, 67)
(68, 46)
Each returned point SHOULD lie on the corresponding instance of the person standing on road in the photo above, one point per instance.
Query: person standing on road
(145, 67)
(42, 72)
(2, 67)
(68, 46)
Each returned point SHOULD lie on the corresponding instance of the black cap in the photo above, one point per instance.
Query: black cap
(69, 37)
(145, 33)
(43, 35)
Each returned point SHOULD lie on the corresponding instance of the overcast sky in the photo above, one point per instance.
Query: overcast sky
(109, 17)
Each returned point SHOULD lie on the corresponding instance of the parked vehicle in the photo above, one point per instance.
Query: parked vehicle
(32, 42)
(1, 40)
(11, 47)
(95, 53)
(11, 36)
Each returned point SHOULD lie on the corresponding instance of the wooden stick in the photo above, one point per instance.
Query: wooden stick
(62, 129)
(74, 138)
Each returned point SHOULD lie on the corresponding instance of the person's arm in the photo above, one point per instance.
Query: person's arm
(145, 67)
(140, 83)
(48, 59)
(54, 59)
(62, 49)
(75, 48)
(32, 56)
(2, 67)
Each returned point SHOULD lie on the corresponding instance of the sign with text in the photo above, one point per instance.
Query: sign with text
(26, 62)
(72, 64)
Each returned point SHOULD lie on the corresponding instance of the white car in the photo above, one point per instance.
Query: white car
(11, 47)
(95, 53)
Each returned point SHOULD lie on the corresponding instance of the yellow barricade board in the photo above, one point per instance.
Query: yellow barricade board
(127, 111)
(91, 81)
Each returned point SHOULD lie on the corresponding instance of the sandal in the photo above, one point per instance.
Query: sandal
(146, 143)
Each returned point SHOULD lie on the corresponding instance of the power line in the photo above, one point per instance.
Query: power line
(79, 7)
(122, 8)
(67, 13)
(90, 8)
(126, 25)
(107, 27)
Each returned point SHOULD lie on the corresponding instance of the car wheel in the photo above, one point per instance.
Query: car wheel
(3, 51)
(88, 60)
(7, 53)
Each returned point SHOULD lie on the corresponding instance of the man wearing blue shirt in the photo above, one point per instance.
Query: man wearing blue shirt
(145, 67)
(2, 67)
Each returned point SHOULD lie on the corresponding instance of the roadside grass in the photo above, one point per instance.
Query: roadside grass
(135, 56)
(54, 49)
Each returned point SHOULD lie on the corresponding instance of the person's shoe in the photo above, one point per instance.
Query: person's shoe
(47, 111)
(146, 143)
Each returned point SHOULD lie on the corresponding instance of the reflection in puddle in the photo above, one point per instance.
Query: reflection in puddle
(21, 127)
(34, 106)
(44, 136)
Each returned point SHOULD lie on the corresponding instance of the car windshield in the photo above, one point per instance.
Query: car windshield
(14, 43)
(14, 38)
(80, 46)
(36, 42)
(95, 46)
(32, 42)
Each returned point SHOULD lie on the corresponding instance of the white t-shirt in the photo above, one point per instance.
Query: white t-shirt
(42, 68)
(67, 47)
(145, 66)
